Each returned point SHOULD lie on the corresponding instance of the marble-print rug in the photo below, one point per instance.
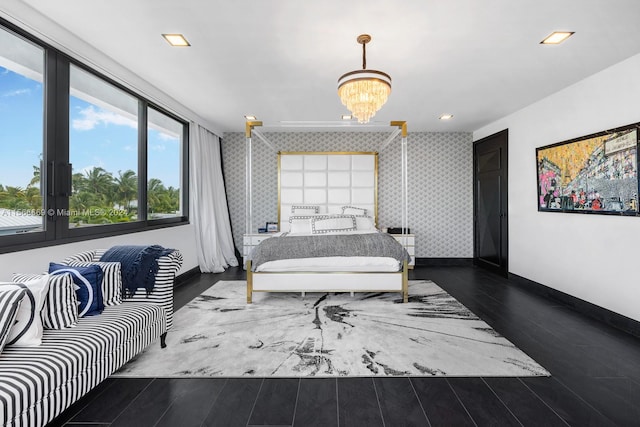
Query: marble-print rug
(327, 335)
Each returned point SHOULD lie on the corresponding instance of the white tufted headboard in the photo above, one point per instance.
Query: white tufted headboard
(330, 180)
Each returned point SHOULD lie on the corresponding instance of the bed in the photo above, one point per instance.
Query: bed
(328, 240)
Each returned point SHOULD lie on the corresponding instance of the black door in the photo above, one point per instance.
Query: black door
(490, 246)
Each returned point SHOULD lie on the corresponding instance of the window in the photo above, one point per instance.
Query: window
(164, 154)
(103, 152)
(21, 135)
(81, 156)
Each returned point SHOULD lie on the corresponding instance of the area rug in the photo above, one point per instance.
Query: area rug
(329, 335)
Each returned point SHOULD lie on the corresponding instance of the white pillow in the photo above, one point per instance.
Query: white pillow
(351, 210)
(27, 331)
(323, 224)
(305, 210)
(300, 224)
(10, 300)
(364, 223)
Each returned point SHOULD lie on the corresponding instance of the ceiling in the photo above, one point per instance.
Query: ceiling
(280, 59)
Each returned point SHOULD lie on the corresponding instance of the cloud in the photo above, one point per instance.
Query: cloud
(91, 117)
(16, 92)
(158, 147)
(129, 148)
(166, 137)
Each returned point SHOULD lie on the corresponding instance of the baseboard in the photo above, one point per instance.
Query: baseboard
(444, 262)
(596, 312)
(181, 278)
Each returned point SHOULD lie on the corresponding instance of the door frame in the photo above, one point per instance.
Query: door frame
(502, 138)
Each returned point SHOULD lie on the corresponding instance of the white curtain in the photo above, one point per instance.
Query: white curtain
(209, 211)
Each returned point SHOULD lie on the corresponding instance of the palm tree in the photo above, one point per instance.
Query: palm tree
(126, 188)
(33, 197)
(155, 189)
(100, 183)
(173, 195)
(78, 182)
(36, 177)
(14, 198)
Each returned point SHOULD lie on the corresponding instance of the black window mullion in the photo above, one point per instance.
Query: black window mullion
(59, 150)
(185, 172)
(142, 160)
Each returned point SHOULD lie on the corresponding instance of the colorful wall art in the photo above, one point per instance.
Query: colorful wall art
(593, 174)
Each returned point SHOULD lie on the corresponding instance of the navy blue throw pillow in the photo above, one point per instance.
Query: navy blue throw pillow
(88, 284)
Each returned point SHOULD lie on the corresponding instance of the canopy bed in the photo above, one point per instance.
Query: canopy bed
(327, 217)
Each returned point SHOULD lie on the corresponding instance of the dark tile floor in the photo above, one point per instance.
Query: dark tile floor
(595, 377)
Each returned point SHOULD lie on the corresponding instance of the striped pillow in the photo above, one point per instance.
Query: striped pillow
(111, 281)
(60, 308)
(27, 331)
(10, 300)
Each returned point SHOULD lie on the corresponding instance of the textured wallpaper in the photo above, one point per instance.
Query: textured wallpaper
(440, 183)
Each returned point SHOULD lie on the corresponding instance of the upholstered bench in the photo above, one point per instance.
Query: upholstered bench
(38, 383)
(162, 294)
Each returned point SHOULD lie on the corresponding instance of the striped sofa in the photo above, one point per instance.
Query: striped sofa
(162, 294)
(39, 383)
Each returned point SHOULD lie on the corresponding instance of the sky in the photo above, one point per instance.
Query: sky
(99, 137)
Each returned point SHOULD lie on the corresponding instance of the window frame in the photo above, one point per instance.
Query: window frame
(56, 170)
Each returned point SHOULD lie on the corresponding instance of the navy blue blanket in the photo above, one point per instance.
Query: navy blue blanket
(139, 265)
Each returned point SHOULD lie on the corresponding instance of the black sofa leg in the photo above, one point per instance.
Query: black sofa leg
(163, 340)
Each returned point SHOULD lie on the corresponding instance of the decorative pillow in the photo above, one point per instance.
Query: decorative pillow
(300, 224)
(88, 281)
(323, 224)
(60, 308)
(111, 282)
(351, 210)
(364, 222)
(27, 331)
(10, 300)
(305, 210)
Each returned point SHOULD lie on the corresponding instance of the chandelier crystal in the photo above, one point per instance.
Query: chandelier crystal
(364, 91)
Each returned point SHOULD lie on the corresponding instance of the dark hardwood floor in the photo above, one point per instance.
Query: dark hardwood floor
(595, 377)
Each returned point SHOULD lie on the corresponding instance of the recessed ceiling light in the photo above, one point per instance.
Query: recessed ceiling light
(557, 37)
(346, 117)
(446, 117)
(250, 117)
(176, 39)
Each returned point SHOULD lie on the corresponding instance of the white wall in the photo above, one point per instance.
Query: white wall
(37, 260)
(592, 257)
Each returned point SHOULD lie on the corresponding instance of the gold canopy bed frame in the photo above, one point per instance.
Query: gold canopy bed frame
(293, 191)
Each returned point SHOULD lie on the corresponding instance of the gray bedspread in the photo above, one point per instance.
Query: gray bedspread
(290, 247)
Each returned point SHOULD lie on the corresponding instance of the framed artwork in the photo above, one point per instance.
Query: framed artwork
(596, 173)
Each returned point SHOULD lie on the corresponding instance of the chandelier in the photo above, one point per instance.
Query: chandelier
(364, 91)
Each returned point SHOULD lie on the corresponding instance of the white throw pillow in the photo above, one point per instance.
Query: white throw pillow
(352, 210)
(300, 224)
(323, 224)
(364, 223)
(27, 331)
(305, 210)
